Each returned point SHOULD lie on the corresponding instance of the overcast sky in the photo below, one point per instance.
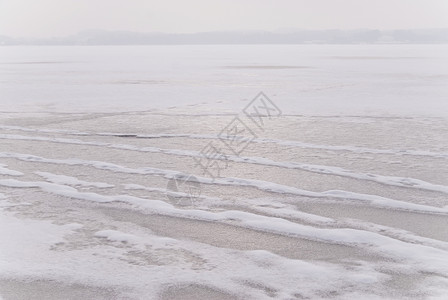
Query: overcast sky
(46, 18)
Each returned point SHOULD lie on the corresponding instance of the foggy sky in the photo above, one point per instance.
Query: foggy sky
(47, 18)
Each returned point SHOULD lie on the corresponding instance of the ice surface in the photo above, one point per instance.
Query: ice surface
(68, 180)
(6, 171)
(402, 80)
(342, 197)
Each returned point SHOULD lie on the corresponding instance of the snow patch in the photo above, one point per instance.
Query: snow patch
(6, 171)
(63, 179)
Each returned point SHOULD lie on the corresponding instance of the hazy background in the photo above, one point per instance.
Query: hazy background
(51, 18)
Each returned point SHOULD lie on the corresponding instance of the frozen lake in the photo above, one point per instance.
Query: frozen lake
(302, 79)
(342, 195)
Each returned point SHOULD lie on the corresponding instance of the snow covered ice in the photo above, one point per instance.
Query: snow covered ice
(343, 196)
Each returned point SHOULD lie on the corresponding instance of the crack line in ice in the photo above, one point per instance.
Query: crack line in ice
(355, 149)
(233, 181)
(403, 182)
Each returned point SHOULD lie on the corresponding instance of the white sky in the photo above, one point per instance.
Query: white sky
(46, 18)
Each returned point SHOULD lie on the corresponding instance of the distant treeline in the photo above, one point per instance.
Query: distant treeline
(362, 36)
